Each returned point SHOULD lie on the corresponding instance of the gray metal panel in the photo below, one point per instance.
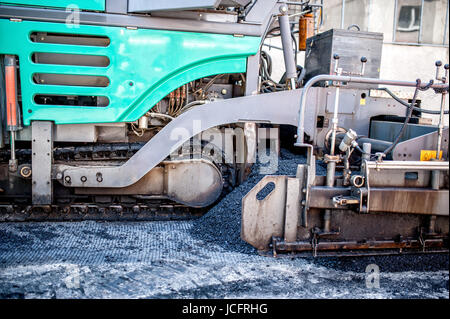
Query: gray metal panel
(201, 15)
(152, 5)
(139, 21)
(117, 6)
(229, 3)
(350, 46)
(102, 132)
(387, 131)
(352, 113)
(260, 10)
(347, 101)
(42, 147)
(252, 75)
(410, 150)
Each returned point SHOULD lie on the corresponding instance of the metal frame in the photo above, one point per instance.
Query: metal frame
(255, 108)
(254, 25)
(42, 160)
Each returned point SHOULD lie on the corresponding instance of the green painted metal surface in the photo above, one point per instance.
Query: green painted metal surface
(145, 65)
(96, 5)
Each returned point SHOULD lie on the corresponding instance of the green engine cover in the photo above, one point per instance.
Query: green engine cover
(144, 66)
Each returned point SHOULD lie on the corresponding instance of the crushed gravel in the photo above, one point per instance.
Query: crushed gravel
(203, 258)
(222, 224)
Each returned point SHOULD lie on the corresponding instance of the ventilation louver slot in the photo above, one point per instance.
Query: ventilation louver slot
(70, 59)
(70, 79)
(67, 38)
(75, 100)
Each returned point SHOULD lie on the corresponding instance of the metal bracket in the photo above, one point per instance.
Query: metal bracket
(345, 200)
(42, 158)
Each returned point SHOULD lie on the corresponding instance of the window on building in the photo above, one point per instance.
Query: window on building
(403, 21)
(408, 17)
(421, 21)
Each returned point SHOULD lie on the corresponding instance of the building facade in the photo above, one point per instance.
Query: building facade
(415, 35)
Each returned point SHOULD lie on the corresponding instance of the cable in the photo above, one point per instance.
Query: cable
(408, 117)
(419, 109)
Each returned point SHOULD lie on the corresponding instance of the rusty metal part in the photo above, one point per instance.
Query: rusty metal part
(306, 30)
(25, 171)
(410, 200)
(379, 245)
(389, 199)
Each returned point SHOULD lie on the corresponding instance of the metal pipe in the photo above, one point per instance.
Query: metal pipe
(412, 165)
(349, 79)
(440, 126)
(394, 36)
(330, 178)
(334, 122)
(343, 14)
(367, 148)
(435, 175)
(444, 79)
(13, 146)
(288, 50)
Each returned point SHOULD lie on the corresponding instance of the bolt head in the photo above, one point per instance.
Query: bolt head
(283, 9)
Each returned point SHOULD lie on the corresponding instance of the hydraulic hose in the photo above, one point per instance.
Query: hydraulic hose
(408, 117)
(408, 106)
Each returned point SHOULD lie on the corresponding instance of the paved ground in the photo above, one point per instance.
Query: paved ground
(204, 258)
(163, 260)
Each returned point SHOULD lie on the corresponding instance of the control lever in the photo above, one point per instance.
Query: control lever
(444, 78)
(363, 65)
(337, 70)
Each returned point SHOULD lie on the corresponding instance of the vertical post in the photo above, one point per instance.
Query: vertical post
(250, 129)
(293, 200)
(343, 14)
(288, 50)
(446, 27)
(331, 165)
(421, 22)
(42, 158)
(367, 148)
(444, 79)
(395, 21)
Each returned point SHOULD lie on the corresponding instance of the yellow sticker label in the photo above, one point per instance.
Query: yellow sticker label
(362, 102)
(426, 155)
